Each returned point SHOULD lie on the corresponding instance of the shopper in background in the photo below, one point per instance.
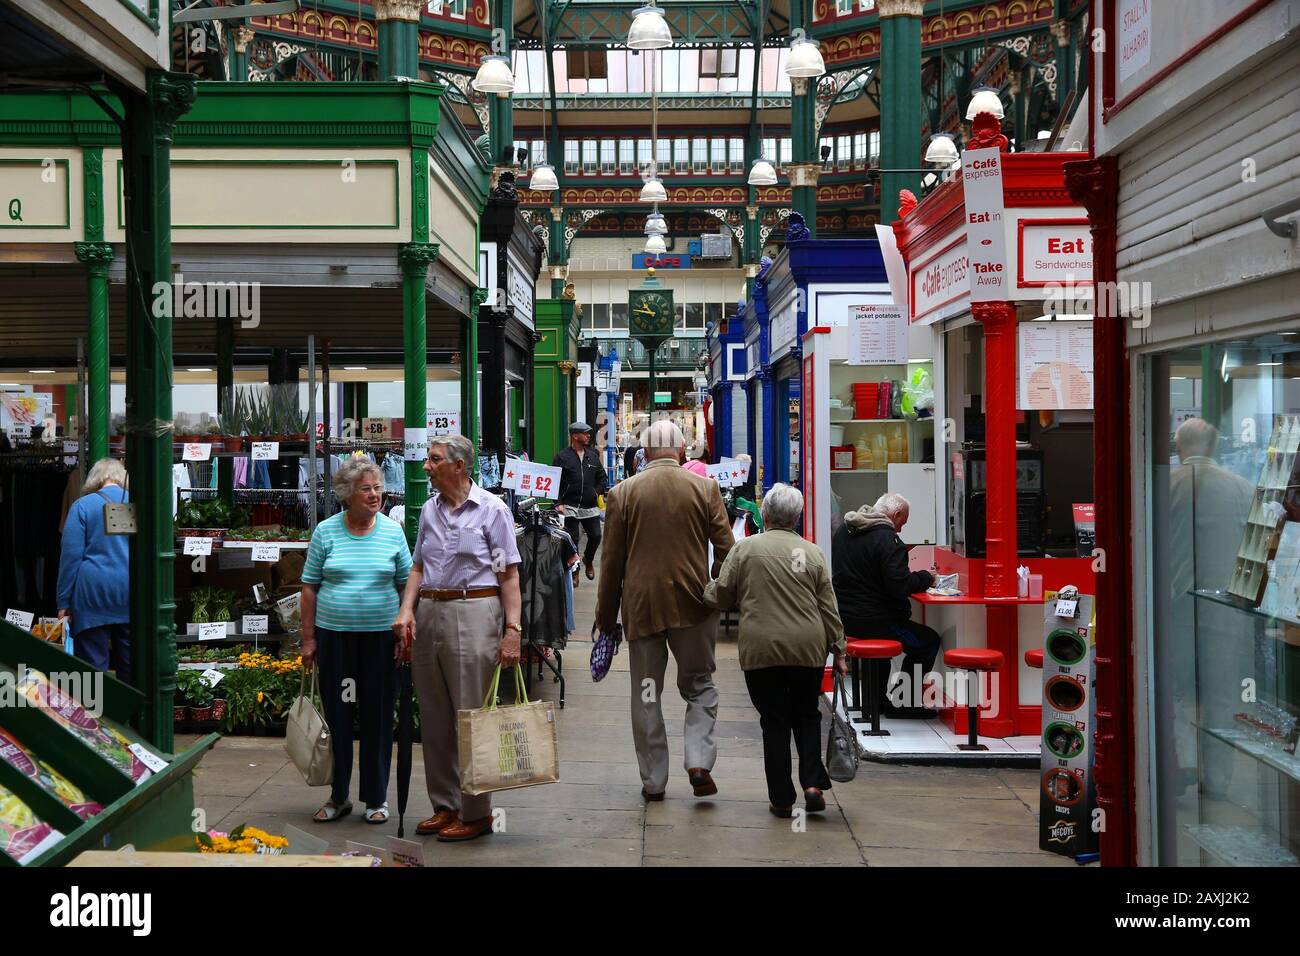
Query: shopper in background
(357, 563)
(94, 586)
(872, 584)
(789, 624)
(465, 576)
(658, 526)
(697, 456)
(582, 482)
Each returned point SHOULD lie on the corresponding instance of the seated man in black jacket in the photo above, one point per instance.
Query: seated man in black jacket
(582, 481)
(872, 582)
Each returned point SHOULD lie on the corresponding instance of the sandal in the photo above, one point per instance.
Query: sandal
(377, 814)
(332, 811)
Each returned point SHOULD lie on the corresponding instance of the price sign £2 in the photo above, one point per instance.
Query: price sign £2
(530, 478)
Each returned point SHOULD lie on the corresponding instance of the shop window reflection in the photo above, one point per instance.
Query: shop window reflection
(1225, 661)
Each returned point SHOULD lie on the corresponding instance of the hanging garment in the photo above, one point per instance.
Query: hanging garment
(547, 604)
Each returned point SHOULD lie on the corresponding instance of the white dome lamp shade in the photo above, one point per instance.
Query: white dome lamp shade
(543, 178)
(805, 60)
(942, 150)
(655, 246)
(985, 100)
(653, 191)
(656, 224)
(762, 173)
(649, 29)
(494, 75)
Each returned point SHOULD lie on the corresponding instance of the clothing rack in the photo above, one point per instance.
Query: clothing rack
(532, 519)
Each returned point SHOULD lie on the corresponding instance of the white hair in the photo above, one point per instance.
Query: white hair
(892, 505)
(662, 439)
(349, 473)
(1196, 437)
(459, 448)
(102, 472)
(782, 506)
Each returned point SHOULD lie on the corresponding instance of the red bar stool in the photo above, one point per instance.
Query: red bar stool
(877, 653)
(1034, 657)
(974, 660)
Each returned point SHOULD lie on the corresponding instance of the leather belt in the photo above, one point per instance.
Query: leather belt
(458, 594)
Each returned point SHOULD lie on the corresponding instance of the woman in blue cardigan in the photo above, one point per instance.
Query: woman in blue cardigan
(94, 581)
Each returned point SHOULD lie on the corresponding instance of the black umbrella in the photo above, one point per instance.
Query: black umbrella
(405, 731)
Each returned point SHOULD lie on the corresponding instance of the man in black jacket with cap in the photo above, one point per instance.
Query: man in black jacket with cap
(582, 481)
(872, 582)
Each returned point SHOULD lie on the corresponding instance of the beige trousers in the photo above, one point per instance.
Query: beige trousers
(693, 650)
(452, 662)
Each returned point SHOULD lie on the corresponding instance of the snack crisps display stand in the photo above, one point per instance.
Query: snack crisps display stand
(74, 775)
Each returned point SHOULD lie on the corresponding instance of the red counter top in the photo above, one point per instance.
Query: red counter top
(924, 598)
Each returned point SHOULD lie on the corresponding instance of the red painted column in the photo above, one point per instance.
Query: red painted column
(1094, 184)
(1002, 632)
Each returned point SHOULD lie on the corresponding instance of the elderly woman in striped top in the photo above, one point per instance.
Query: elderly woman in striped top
(357, 564)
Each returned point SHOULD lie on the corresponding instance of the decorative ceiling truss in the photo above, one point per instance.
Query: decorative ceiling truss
(605, 23)
(841, 86)
(641, 101)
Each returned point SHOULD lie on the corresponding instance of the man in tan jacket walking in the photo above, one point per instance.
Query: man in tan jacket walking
(654, 564)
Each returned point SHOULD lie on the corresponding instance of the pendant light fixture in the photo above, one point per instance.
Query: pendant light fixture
(762, 173)
(985, 100)
(543, 178)
(655, 246)
(805, 60)
(656, 224)
(649, 29)
(494, 75)
(942, 150)
(653, 191)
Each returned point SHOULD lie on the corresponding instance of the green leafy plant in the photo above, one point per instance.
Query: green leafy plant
(199, 598)
(192, 689)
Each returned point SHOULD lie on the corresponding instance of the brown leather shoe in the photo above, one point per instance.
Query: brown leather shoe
(463, 830)
(702, 782)
(783, 812)
(436, 823)
(814, 800)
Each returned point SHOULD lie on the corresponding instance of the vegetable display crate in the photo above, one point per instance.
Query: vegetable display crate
(74, 775)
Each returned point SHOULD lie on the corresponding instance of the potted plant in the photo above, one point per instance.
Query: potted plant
(233, 422)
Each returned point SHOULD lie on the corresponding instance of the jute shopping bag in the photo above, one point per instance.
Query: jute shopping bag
(502, 748)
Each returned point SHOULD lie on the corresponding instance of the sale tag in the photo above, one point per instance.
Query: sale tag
(1067, 608)
(721, 473)
(406, 852)
(215, 631)
(148, 758)
(197, 451)
(530, 478)
(71, 446)
(266, 451)
(740, 468)
(211, 677)
(254, 623)
(198, 546)
(377, 429)
(20, 619)
(415, 444)
(444, 423)
(266, 552)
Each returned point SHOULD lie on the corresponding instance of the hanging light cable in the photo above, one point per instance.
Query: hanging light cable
(653, 191)
(761, 171)
(943, 148)
(543, 178)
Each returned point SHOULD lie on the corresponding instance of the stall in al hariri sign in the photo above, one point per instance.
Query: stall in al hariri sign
(999, 272)
(726, 375)
(759, 390)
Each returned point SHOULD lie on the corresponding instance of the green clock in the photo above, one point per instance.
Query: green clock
(650, 313)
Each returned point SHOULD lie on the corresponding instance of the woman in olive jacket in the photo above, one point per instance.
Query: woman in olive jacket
(789, 623)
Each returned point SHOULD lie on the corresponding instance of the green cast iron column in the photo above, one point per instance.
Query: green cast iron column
(469, 370)
(501, 122)
(415, 258)
(900, 100)
(399, 37)
(240, 38)
(559, 251)
(97, 256)
(805, 167)
(146, 146)
(1063, 31)
(225, 399)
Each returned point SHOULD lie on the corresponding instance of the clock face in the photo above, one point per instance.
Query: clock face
(650, 313)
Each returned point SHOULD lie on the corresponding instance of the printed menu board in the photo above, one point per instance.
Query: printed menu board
(1055, 365)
